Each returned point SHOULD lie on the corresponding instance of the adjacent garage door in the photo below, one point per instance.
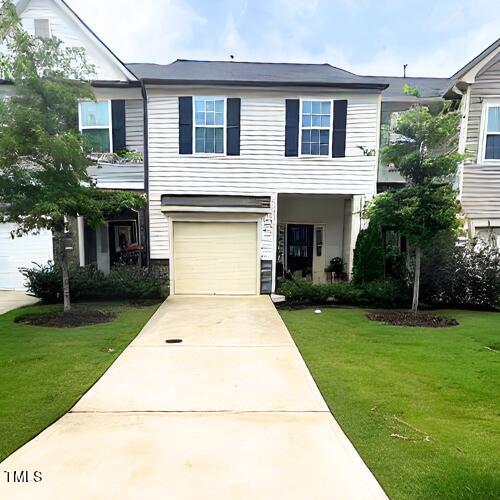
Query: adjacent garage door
(215, 258)
(21, 252)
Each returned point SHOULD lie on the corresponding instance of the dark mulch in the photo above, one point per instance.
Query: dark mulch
(77, 316)
(408, 318)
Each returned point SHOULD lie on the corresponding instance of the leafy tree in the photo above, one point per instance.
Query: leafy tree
(426, 156)
(43, 158)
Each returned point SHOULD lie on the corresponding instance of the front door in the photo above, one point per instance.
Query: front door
(299, 249)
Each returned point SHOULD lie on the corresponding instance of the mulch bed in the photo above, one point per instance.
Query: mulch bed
(408, 318)
(77, 316)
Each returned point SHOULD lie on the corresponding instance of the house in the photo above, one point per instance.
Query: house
(251, 170)
(479, 84)
(254, 168)
(114, 123)
(396, 100)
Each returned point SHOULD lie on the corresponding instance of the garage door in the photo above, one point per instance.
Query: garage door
(21, 252)
(215, 258)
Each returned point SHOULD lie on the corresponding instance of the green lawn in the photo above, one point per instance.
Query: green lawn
(44, 371)
(422, 406)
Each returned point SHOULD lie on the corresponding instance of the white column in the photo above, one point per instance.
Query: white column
(356, 221)
(81, 239)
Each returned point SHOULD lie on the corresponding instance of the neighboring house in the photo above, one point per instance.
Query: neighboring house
(114, 123)
(479, 84)
(394, 101)
(255, 168)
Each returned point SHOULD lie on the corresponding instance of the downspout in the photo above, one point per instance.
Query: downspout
(146, 167)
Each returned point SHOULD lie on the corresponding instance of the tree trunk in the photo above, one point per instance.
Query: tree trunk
(65, 273)
(416, 281)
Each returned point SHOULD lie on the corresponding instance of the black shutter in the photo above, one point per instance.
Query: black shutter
(185, 125)
(339, 128)
(233, 126)
(118, 124)
(292, 127)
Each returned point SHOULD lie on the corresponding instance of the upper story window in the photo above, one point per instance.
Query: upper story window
(95, 123)
(209, 123)
(316, 124)
(42, 28)
(492, 140)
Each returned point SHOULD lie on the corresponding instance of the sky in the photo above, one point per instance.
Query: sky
(435, 38)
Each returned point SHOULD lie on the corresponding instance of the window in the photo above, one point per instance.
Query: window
(209, 113)
(492, 143)
(42, 28)
(95, 124)
(316, 123)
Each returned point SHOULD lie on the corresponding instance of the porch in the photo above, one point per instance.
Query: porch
(314, 229)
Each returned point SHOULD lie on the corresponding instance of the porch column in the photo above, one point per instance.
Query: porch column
(357, 203)
(81, 239)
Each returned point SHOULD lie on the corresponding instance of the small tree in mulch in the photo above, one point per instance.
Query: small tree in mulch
(426, 156)
(43, 158)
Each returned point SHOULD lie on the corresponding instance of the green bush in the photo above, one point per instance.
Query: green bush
(368, 260)
(88, 283)
(375, 294)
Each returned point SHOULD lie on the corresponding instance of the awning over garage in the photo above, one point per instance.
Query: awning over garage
(215, 203)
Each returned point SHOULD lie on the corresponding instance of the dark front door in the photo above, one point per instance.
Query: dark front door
(300, 248)
(121, 235)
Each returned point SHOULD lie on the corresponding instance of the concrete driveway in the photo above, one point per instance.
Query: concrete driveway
(12, 299)
(230, 413)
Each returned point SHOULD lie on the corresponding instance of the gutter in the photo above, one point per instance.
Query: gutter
(146, 165)
(241, 83)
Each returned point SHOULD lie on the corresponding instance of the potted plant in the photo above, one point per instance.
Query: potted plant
(336, 268)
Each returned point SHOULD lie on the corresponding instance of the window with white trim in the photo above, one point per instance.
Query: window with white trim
(95, 124)
(492, 139)
(42, 28)
(315, 125)
(209, 124)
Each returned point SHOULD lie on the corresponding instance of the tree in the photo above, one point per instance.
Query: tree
(43, 157)
(426, 156)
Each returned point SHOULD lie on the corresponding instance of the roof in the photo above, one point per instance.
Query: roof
(192, 72)
(428, 87)
(485, 53)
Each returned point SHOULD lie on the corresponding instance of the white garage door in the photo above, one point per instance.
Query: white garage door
(21, 252)
(215, 258)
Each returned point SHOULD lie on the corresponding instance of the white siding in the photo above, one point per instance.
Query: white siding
(481, 183)
(64, 27)
(134, 124)
(262, 168)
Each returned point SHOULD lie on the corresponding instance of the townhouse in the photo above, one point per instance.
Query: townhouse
(251, 170)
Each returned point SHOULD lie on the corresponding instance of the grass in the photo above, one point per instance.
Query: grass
(421, 405)
(44, 371)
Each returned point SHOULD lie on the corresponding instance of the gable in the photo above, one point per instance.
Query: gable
(491, 71)
(65, 25)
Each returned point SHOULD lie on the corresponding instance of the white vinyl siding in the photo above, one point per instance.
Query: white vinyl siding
(481, 178)
(134, 124)
(261, 168)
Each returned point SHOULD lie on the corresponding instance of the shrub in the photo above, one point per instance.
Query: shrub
(460, 276)
(368, 260)
(376, 294)
(44, 282)
(88, 283)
